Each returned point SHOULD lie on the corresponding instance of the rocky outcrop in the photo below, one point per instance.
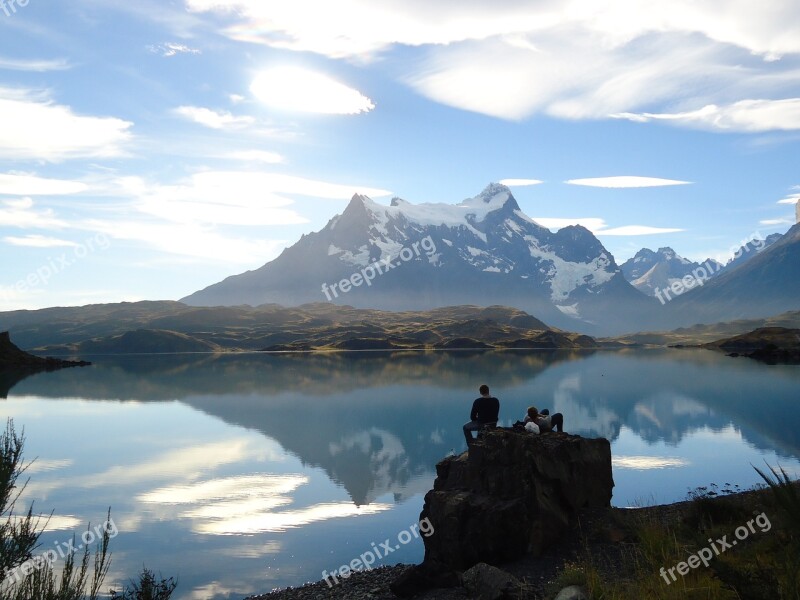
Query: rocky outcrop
(15, 364)
(512, 494)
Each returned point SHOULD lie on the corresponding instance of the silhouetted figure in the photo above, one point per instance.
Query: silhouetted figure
(485, 411)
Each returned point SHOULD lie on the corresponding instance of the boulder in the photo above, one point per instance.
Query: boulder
(485, 582)
(511, 494)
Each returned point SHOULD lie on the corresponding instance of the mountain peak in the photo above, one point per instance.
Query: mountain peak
(492, 190)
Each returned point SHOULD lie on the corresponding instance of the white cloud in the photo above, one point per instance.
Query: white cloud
(296, 89)
(214, 119)
(577, 59)
(336, 31)
(30, 185)
(169, 49)
(591, 223)
(38, 241)
(743, 116)
(34, 65)
(33, 127)
(184, 218)
(637, 230)
(791, 199)
(263, 156)
(20, 213)
(626, 181)
(769, 222)
(520, 182)
(599, 226)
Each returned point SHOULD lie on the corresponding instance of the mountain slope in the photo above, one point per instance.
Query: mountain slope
(650, 272)
(767, 284)
(483, 251)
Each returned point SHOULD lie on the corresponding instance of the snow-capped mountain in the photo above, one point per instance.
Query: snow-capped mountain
(653, 272)
(482, 251)
(650, 271)
(766, 284)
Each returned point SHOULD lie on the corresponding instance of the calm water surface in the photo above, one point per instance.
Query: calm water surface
(243, 473)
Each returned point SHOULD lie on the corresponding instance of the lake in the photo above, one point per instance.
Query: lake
(242, 473)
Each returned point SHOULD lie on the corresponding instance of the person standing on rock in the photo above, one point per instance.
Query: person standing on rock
(485, 411)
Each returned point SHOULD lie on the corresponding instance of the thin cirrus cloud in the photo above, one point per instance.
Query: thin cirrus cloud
(520, 182)
(30, 185)
(626, 181)
(632, 230)
(170, 49)
(21, 213)
(214, 119)
(257, 156)
(38, 241)
(34, 65)
(598, 226)
(749, 116)
(33, 126)
(245, 198)
(302, 90)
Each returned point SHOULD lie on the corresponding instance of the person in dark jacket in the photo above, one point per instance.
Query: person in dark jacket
(485, 411)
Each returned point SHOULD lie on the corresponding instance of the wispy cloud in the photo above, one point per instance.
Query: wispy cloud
(744, 116)
(637, 230)
(598, 226)
(591, 223)
(626, 181)
(262, 156)
(33, 126)
(21, 213)
(770, 222)
(169, 49)
(31, 185)
(520, 182)
(39, 241)
(214, 119)
(34, 65)
(296, 89)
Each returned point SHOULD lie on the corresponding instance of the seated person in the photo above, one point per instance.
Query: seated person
(544, 420)
(485, 411)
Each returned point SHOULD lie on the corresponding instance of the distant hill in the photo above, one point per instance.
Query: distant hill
(140, 341)
(759, 339)
(771, 344)
(148, 327)
(703, 334)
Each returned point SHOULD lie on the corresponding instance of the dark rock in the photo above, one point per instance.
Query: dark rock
(485, 582)
(419, 578)
(11, 357)
(513, 493)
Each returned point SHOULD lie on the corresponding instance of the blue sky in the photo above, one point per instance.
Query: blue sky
(149, 149)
